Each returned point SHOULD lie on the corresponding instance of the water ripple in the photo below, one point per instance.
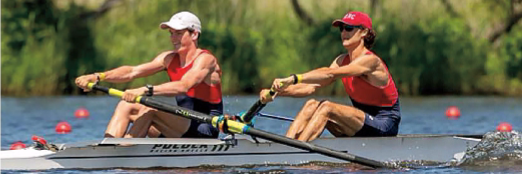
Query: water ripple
(496, 150)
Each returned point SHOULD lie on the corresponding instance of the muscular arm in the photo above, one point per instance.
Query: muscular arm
(306, 89)
(359, 66)
(127, 73)
(203, 67)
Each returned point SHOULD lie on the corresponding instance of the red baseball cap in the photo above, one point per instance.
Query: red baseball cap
(355, 18)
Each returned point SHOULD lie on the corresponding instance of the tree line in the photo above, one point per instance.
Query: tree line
(431, 47)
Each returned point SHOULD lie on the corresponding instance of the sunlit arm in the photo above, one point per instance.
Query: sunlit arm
(202, 68)
(306, 89)
(359, 66)
(127, 73)
(299, 90)
(172, 88)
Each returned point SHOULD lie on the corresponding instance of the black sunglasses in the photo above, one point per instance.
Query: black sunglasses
(348, 28)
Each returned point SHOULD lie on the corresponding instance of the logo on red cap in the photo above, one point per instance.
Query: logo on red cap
(355, 18)
(350, 16)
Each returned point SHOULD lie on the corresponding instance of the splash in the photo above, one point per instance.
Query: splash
(496, 149)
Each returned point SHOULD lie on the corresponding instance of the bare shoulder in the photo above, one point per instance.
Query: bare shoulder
(371, 61)
(206, 58)
(338, 60)
(208, 55)
(376, 59)
(165, 54)
(165, 58)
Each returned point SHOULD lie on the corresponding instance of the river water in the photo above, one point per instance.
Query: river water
(23, 117)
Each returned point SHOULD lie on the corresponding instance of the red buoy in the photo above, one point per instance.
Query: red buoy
(81, 113)
(63, 128)
(17, 145)
(453, 112)
(504, 127)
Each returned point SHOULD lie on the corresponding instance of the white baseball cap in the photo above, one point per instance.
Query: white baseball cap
(182, 20)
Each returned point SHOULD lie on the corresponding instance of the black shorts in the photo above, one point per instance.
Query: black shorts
(379, 121)
(198, 129)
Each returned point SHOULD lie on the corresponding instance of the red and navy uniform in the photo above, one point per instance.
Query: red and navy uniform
(380, 104)
(202, 97)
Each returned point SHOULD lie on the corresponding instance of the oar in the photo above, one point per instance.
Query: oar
(242, 128)
(251, 113)
(274, 117)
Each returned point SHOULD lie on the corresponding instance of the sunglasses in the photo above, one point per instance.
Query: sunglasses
(348, 28)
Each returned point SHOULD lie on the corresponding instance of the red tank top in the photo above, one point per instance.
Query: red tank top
(202, 91)
(363, 92)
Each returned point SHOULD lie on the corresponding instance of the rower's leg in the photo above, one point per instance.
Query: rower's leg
(335, 129)
(141, 123)
(348, 121)
(302, 119)
(153, 131)
(172, 126)
(157, 125)
(119, 122)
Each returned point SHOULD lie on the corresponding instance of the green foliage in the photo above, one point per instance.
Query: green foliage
(504, 70)
(31, 48)
(434, 56)
(236, 51)
(44, 48)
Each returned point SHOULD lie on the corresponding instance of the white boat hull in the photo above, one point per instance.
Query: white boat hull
(148, 153)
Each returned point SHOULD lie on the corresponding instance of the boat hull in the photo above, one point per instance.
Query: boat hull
(149, 153)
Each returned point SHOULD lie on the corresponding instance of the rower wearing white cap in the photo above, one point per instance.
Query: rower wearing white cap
(195, 82)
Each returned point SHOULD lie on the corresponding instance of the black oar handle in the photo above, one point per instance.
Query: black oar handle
(272, 92)
(100, 88)
(251, 113)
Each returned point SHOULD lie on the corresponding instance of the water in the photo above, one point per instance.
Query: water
(23, 117)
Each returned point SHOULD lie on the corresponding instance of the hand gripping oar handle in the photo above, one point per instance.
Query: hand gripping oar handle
(251, 113)
(238, 127)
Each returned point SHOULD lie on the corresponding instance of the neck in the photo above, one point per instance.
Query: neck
(356, 51)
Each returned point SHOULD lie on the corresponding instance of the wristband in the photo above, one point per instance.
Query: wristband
(150, 90)
(100, 76)
(299, 78)
(296, 80)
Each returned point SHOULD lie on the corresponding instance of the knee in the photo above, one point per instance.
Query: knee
(147, 112)
(325, 107)
(124, 106)
(311, 102)
(311, 105)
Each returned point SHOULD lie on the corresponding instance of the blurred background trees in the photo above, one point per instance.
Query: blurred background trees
(440, 47)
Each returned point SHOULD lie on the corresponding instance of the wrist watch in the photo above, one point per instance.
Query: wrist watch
(150, 90)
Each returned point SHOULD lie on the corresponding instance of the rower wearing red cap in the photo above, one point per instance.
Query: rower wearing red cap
(366, 79)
